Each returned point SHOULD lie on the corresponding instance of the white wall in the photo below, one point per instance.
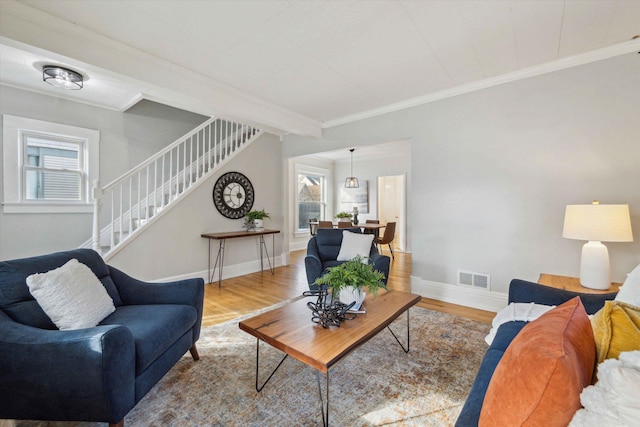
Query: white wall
(126, 139)
(493, 170)
(172, 247)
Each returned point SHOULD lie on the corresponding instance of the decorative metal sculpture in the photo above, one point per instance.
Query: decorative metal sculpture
(326, 311)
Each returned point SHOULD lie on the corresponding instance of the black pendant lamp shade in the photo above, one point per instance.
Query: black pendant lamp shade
(351, 181)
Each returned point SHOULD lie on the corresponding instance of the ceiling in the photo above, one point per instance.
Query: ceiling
(315, 60)
(386, 150)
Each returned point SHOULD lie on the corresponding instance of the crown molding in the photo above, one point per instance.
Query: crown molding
(560, 64)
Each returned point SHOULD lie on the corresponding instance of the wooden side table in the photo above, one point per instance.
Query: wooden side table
(573, 284)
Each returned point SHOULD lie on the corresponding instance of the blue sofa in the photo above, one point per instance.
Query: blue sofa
(520, 291)
(323, 249)
(93, 374)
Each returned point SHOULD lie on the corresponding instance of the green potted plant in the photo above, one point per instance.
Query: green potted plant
(348, 279)
(344, 216)
(255, 219)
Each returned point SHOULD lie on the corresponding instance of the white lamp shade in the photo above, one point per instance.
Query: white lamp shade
(596, 223)
(602, 223)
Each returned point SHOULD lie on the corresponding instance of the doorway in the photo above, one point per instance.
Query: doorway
(392, 206)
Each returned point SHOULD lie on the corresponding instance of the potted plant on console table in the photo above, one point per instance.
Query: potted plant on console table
(349, 278)
(255, 220)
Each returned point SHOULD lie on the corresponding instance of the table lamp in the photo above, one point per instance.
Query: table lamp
(596, 223)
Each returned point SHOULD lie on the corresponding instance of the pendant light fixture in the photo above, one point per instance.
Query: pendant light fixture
(62, 77)
(351, 181)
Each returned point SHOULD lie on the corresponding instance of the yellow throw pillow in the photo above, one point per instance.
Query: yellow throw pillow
(616, 328)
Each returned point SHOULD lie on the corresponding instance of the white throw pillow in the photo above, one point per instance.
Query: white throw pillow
(71, 295)
(615, 399)
(630, 290)
(354, 244)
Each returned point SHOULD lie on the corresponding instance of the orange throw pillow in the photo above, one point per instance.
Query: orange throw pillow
(544, 369)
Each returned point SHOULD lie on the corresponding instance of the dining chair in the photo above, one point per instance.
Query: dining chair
(345, 224)
(369, 231)
(325, 224)
(387, 237)
(313, 226)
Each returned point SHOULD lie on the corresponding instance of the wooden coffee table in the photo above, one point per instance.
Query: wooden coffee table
(290, 330)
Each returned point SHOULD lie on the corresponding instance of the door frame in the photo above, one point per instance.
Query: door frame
(401, 228)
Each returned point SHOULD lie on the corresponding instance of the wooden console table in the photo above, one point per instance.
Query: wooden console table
(222, 238)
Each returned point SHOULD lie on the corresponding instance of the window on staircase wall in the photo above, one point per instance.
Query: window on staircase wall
(311, 197)
(48, 167)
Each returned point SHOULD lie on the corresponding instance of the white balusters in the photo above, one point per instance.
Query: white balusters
(141, 194)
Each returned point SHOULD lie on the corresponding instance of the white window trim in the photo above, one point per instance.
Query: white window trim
(310, 170)
(12, 158)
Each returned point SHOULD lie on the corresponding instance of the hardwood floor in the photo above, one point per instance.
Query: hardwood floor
(245, 294)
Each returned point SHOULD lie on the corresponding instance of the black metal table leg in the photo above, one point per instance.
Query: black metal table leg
(260, 387)
(324, 404)
(406, 350)
(209, 262)
(264, 245)
(219, 258)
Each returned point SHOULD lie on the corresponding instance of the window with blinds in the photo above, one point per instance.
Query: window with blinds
(48, 167)
(53, 168)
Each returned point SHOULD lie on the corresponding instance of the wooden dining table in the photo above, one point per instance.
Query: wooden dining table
(362, 225)
(366, 226)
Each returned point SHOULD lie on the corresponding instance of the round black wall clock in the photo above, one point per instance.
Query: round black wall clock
(233, 195)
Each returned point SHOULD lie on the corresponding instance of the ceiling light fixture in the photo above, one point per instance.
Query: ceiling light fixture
(351, 181)
(62, 77)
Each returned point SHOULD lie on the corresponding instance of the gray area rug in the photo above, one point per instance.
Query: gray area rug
(378, 384)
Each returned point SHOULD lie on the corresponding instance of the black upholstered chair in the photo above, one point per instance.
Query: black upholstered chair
(323, 250)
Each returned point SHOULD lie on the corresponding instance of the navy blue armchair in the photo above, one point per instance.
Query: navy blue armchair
(323, 249)
(92, 374)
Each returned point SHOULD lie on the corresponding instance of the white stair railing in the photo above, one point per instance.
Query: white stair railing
(127, 205)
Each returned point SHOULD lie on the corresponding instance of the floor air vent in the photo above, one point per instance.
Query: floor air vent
(471, 278)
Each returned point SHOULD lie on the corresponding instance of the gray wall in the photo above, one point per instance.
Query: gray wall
(173, 246)
(126, 139)
(492, 170)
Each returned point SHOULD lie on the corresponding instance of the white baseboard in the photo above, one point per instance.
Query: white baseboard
(229, 271)
(285, 258)
(461, 295)
(299, 245)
